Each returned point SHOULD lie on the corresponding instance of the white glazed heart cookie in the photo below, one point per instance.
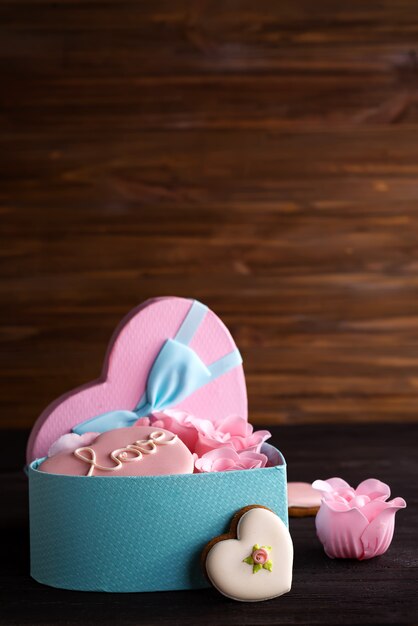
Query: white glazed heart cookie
(253, 561)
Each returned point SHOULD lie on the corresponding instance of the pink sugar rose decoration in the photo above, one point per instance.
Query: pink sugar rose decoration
(202, 436)
(70, 442)
(180, 423)
(260, 556)
(355, 523)
(226, 459)
(143, 421)
(233, 432)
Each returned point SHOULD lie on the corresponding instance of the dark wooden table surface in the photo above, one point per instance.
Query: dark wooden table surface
(260, 156)
(325, 591)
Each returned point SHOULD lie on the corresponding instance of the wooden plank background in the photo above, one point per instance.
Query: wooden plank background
(259, 156)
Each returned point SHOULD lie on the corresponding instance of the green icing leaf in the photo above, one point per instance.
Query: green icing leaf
(257, 568)
(256, 547)
(248, 560)
(268, 565)
(266, 547)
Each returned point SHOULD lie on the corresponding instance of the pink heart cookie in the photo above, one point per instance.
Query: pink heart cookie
(135, 451)
(132, 351)
(303, 500)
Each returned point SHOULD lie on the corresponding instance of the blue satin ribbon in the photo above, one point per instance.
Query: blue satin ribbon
(176, 373)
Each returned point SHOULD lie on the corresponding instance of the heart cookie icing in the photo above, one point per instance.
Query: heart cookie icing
(257, 564)
(135, 451)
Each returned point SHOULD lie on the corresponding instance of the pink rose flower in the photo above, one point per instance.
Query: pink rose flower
(180, 423)
(143, 421)
(226, 459)
(70, 442)
(260, 556)
(233, 432)
(355, 523)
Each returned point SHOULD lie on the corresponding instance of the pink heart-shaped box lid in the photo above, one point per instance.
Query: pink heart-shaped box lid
(130, 356)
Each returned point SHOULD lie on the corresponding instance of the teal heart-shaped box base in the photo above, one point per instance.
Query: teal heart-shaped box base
(139, 533)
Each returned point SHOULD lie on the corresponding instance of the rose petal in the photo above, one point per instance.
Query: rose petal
(208, 460)
(251, 460)
(322, 485)
(143, 421)
(179, 416)
(335, 497)
(199, 424)
(359, 501)
(337, 484)
(223, 453)
(253, 443)
(337, 505)
(225, 459)
(177, 423)
(70, 442)
(185, 419)
(347, 494)
(259, 437)
(235, 425)
(377, 536)
(374, 489)
(340, 531)
(222, 465)
(253, 456)
(373, 508)
(207, 444)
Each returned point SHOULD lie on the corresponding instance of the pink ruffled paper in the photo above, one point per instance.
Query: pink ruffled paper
(355, 523)
(226, 459)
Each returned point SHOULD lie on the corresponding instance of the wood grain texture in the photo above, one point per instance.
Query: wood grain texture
(261, 157)
(324, 591)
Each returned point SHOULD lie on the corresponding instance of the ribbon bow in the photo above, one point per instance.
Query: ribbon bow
(176, 373)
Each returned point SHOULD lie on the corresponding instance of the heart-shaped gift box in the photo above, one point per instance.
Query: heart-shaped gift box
(145, 533)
